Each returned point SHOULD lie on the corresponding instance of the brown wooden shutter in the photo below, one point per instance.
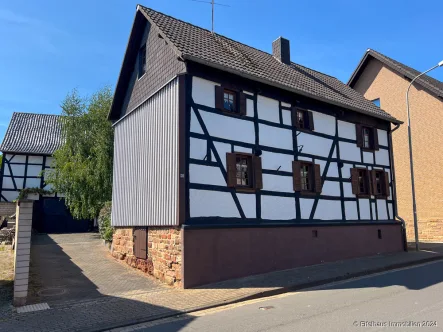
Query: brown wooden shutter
(359, 135)
(258, 177)
(242, 103)
(388, 192)
(369, 182)
(219, 97)
(311, 120)
(375, 138)
(354, 180)
(317, 179)
(294, 117)
(296, 176)
(140, 242)
(231, 169)
(373, 182)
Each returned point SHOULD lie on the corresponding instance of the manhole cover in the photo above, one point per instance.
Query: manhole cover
(51, 291)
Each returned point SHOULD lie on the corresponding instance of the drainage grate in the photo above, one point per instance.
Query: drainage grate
(33, 307)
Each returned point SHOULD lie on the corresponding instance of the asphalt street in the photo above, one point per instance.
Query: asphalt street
(409, 299)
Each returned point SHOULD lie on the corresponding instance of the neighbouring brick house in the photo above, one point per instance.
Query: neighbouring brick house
(385, 81)
(229, 161)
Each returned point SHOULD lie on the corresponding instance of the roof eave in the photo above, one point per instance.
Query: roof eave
(351, 80)
(284, 87)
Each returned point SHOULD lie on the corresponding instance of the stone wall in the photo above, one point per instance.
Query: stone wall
(164, 252)
(7, 209)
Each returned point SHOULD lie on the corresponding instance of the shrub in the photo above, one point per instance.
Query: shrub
(104, 222)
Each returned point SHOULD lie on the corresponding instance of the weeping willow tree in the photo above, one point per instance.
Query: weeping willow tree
(82, 167)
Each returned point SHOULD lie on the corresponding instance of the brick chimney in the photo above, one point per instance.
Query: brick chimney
(280, 50)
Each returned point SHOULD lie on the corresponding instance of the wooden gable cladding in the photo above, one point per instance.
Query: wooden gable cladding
(315, 177)
(255, 171)
(141, 242)
(240, 100)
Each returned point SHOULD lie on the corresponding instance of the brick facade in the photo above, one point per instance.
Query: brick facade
(164, 260)
(428, 231)
(7, 209)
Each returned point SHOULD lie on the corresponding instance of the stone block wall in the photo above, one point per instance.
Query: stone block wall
(164, 260)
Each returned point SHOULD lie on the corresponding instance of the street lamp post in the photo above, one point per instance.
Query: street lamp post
(414, 205)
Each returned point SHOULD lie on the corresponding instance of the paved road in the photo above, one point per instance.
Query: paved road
(409, 295)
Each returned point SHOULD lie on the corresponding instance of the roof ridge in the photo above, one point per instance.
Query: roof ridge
(33, 113)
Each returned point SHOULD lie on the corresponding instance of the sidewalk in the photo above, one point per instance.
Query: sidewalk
(112, 312)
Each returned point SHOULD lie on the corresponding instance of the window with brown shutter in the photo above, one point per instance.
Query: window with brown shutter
(380, 184)
(244, 171)
(302, 119)
(367, 137)
(230, 101)
(140, 242)
(361, 183)
(306, 177)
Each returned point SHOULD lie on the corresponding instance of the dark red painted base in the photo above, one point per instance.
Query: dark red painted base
(216, 254)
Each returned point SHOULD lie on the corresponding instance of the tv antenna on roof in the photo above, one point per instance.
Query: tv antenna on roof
(212, 3)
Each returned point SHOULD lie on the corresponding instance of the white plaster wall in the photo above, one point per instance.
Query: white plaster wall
(328, 210)
(10, 195)
(322, 164)
(382, 157)
(35, 159)
(247, 202)
(7, 183)
(286, 117)
(33, 182)
(17, 170)
(277, 208)
(391, 211)
(351, 210)
(195, 125)
(332, 170)
(203, 91)
(306, 207)
(347, 189)
(229, 127)
(197, 148)
(365, 212)
(222, 149)
(273, 161)
(242, 149)
(285, 104)
(275, 137)
(49, 161)
(205, 203)
(314, 145)
(382, 137)
(268, 109)
(33, 170)
(249, 107)
(17, 158)
(349, 151)
(346, 130)
(324, 123)
(206, 175)
(278, 183)
(374, 215)
(331, 188)
(368, 157)
(381, 208)
(346, 171)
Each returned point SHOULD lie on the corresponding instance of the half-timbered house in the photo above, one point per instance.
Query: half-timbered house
(28, 146)
(230, 161)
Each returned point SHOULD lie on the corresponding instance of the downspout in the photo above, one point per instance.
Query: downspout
(394, 190)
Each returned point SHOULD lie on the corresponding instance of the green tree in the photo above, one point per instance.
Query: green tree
(82, 167)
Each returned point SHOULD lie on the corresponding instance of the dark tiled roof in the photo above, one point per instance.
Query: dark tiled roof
(198, 44)
(32, 133)
(425, 81)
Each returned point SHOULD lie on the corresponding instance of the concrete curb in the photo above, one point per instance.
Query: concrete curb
(279, 291)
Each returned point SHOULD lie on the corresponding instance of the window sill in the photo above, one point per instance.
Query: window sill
(307, 193)
(363, 196)
(245, 190)
(231, 113)
(304, 130)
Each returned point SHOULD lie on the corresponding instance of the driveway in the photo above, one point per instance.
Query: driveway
(77, 267)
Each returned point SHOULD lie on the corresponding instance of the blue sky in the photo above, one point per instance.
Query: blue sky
(49, 47)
